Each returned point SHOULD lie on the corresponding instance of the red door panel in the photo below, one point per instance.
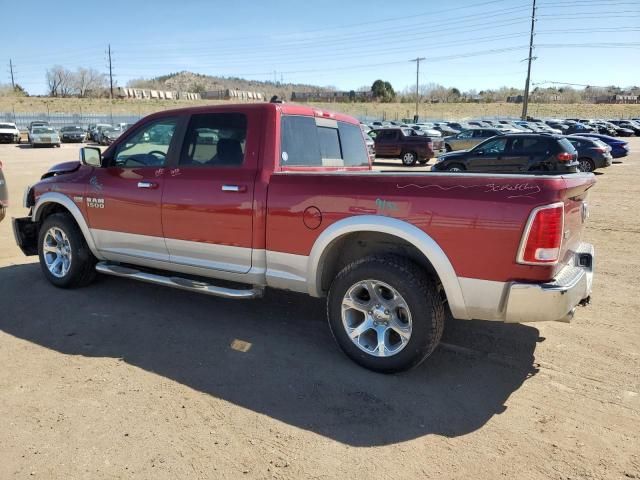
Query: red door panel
(127, 207)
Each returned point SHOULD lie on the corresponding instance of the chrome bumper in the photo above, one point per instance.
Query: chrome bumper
(556, 300)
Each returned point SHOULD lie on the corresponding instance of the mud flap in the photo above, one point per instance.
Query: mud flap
(26, 234)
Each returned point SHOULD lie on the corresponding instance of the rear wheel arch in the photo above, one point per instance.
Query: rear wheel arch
(352, 238)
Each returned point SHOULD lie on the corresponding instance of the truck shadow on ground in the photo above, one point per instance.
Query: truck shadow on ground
(292, 372)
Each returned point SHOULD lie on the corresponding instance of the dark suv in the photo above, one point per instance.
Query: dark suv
(514, 153)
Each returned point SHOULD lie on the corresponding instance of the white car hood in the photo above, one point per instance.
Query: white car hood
(9, 130)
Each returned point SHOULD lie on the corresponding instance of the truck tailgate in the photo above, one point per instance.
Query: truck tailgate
(576, 212)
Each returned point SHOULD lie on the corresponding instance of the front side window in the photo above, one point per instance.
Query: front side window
(215, 140)
(306, 144)
(148, 146)
(465, 134)
(493, 147)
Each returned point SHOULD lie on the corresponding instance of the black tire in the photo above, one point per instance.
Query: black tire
(82, 267)
(409, 159)
(424, 303)
(447, 147)
(586, 165)
(455, 167)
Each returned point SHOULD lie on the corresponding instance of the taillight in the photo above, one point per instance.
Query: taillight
(600, 149)
(565, 156)
(542, 236)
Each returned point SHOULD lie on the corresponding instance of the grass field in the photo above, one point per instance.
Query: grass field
(391, 111)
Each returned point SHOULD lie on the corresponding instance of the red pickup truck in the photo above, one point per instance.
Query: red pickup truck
(228, 200)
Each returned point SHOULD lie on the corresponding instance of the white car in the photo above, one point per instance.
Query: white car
(425, 129)
(44, 136)
(9, 133)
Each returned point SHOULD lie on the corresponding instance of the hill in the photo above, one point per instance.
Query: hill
(198, 83)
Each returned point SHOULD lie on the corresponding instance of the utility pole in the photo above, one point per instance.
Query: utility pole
(13, 83)
(417, 60)
(110, 72)
(525, 100)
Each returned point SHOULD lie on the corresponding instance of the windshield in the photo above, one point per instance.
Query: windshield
(71, 129)
(43, 130)
(7, 125)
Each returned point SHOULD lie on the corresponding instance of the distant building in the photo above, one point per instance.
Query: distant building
(143, 93)
(617, 99)
(331, 96)
(231, 94)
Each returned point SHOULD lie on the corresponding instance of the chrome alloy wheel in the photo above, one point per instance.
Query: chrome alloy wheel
(408, 158)
(56, 251)
(376, 318)
(585, 166)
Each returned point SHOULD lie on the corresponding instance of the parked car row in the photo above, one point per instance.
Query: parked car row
(41, 133)
(591, 144)
(534, 153)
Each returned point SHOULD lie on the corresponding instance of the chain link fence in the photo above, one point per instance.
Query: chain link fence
(58, 120)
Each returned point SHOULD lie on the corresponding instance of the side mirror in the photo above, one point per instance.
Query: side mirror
(91, 156)
(479, 152)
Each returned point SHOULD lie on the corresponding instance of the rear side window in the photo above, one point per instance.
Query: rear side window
(214, 140)
(530, 145)
(566, 145)
(304, 143)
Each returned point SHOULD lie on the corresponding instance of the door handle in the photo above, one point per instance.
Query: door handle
(233, 188)
(147, 185)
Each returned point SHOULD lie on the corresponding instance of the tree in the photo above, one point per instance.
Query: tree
(87, 80)
(20, 91)
(378, 89)
(59, 81)
(383, 91)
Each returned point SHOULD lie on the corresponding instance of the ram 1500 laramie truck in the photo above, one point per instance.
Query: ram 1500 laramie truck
(228, 200)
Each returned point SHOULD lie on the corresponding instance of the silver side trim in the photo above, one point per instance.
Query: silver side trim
(131, 244)
(66, 202)
(209, 255)
(178, 282)
(412, 234)
(287, 271)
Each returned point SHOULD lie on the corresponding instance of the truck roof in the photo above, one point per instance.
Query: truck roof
(285, 108)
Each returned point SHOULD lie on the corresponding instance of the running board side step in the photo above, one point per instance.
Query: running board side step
(178, 282)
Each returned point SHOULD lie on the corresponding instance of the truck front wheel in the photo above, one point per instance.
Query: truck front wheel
(385, 313)
(65, 258)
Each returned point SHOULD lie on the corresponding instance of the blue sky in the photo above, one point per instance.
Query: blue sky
(468, 43)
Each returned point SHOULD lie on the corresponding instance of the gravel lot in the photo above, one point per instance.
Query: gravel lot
(128, 380)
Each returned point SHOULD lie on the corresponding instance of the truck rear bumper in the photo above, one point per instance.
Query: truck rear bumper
(519, 302)
(556, 300)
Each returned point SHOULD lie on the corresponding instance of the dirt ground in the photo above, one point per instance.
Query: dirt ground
(128, 380)
(391, 111)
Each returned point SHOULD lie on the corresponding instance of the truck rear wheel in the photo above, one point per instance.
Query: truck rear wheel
(385, 313)
(409, 159)
(64, 255)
